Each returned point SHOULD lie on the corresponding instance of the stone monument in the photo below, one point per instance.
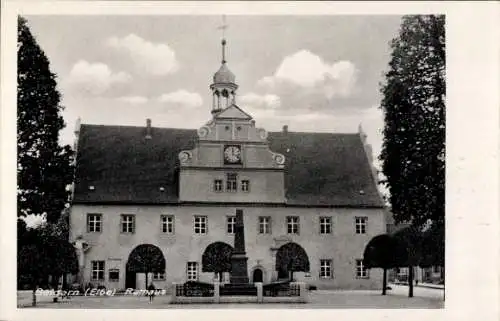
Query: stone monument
(239, 270)
(239, 282)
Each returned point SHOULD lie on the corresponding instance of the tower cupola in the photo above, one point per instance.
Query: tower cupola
(224, 84)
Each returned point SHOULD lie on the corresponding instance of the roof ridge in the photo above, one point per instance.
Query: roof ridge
(134, 126)
(191, 129)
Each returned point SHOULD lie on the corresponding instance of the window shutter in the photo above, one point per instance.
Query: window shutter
(270, 224)
(88, 223)
(298, 225)
(133, 224)
(206, 224)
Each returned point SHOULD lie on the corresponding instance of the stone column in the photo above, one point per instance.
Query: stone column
(304, 292)
(260, 292)
(216, 292)
(173, 297)
(239, 269)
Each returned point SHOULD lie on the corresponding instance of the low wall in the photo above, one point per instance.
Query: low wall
(303, 296)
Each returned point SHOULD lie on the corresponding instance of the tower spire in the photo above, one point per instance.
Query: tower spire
(223, 27)
(224, 85)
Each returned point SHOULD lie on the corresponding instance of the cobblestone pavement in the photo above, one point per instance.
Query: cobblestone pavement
(322, 299)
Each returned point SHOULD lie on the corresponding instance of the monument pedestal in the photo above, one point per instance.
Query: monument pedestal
(239, 273)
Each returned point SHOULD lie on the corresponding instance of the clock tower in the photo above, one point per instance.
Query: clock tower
(231, 161)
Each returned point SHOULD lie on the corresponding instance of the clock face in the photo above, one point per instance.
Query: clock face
(232, 154)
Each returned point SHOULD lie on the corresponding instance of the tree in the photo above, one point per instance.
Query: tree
(383, 251)
(44, 169)
(414, 109)
(63, 258)
(292, 257)
(45, 255)
(146, 258)
(217, 258)
(410, 240)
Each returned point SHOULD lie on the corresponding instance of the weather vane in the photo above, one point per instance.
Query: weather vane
(223, 27)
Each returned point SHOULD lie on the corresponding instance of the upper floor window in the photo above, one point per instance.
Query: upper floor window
(325, 269)
(245, 185)
(231, 221)
(167, 224)
(231, 182)
(361, 270)
(127, 223)
(192, 271)
(292, 223)
(94, 222)
(200, 225)
(159, 276)
(360, 224)
(325, 225)
(97, 270)
(264, 225)
(218, 185)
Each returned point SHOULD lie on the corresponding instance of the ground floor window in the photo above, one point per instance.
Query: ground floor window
(114, 275)
(97, 270)
(192, 271)
(158, 276)
(361, 270)
(325, 270)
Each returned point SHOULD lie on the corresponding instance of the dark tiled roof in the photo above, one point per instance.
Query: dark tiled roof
(125, 167)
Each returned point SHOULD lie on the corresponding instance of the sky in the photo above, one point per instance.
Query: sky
(312, 73)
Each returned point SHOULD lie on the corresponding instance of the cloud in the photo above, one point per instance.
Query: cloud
(153, 58)
(312, 74)
(134, 100)
(182, 97)
(95, 78)
(262, 101)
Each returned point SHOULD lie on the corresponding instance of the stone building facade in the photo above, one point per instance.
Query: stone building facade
(178, 190)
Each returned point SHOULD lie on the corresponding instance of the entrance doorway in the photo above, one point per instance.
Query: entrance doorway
(144, 259)
(130, 279)
(291, 258)
(257, 276)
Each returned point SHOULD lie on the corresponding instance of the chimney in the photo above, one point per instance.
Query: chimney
(285, 129)
(148, 129)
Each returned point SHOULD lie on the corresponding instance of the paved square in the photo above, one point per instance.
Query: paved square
(396, 298)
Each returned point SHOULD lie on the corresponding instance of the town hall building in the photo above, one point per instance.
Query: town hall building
(177, 192)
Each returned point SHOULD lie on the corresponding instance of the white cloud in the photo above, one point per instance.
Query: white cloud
(153, 58)
(134, 100)
(182, 97)
(263, 101)
(312, 73)
(95, 78)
